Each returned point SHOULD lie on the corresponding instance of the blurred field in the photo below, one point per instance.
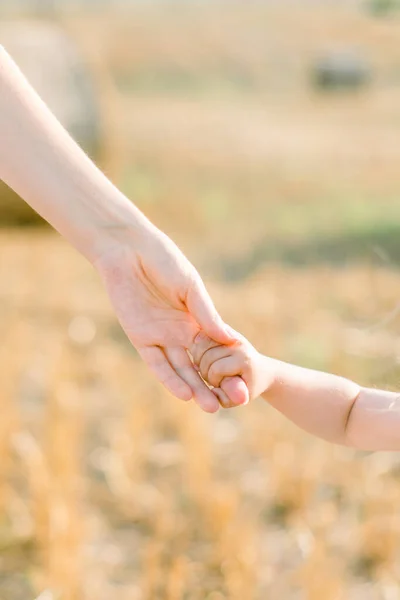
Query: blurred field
(286, 199)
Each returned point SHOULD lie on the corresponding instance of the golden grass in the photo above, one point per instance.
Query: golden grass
(110, 488)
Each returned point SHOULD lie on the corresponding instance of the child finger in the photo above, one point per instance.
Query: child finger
(200, 345)
(211, 356)
(225, 367)
(236, 390)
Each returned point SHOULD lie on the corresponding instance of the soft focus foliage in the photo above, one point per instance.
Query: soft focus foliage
(288, 199)
(109, 487)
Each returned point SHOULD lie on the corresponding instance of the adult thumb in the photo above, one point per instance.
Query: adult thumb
(202, 309)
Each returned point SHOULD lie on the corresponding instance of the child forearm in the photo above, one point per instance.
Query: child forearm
(319, 403)
(335, 409)
(41, 162)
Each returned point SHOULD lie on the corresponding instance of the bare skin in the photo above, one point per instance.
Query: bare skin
(327, 406)
(158, 296)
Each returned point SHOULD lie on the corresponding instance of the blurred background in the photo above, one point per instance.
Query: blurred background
(264, 138)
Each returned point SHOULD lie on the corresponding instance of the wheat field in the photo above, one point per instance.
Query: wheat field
(287, 201)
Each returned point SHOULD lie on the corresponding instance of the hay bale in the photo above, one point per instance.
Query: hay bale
(55, 67)
(341, 69)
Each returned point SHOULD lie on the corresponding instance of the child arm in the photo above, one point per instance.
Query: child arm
(327, 406)
(336, 409)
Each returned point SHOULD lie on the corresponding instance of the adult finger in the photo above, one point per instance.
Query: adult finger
(202, 309)
(223, 399)
(202, 395)
(158, 363)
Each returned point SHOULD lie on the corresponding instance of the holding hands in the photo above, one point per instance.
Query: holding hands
(163, 305)
(325, 405)
(221, 366)
(158, 296)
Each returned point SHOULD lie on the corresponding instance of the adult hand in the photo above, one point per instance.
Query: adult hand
(157, 294)
(162, 304)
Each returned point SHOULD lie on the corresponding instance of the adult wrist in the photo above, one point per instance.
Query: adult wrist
(114, 223)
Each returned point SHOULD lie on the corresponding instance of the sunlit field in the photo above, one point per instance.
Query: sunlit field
(287, 200)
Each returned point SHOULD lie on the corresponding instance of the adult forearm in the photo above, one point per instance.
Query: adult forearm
(41, 162)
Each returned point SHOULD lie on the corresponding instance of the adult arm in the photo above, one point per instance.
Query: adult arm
(159, 298)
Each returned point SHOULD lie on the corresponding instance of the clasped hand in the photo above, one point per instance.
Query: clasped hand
(162, 305)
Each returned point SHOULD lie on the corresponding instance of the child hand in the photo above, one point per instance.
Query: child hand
(220, 364)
